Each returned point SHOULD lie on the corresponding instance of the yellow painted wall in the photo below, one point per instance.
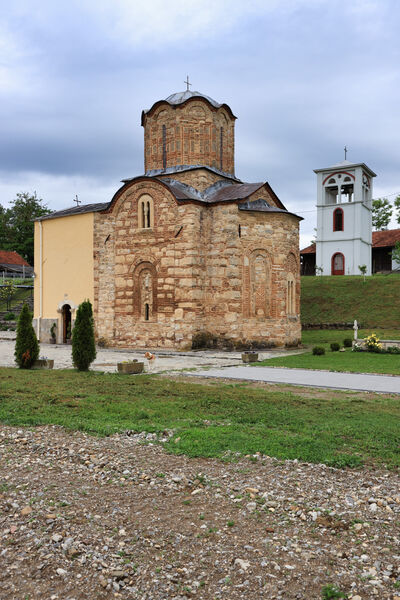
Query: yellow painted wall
(67, 262)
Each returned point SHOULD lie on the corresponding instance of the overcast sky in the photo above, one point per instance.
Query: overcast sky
(304, 78)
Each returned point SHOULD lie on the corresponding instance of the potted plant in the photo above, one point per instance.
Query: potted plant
(248, 356)
(43, 363)
(130, 367)
(68, 334)
(53, 335)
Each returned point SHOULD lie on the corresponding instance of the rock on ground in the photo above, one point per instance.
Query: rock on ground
(85, 517)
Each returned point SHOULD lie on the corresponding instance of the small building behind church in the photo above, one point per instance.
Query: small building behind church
(184, 250)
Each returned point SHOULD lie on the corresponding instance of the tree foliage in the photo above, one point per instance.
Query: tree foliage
(397, 208)
(395, 253)
(83, 344)
(26, 345)
(17, 224)
(7, 291)
(381, 213)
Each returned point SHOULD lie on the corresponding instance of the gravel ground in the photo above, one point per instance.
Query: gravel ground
(90, 518)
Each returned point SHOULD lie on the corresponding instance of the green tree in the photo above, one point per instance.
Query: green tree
(7, 291)
(397, 208)
(83, 344)
(395, 253)
(363, 270)
(381, 213)
(17, 224)
(26, 345)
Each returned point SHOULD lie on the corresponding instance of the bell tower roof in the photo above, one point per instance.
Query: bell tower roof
(346, 164)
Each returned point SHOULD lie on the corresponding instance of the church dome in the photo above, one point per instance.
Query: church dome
(189, 129)
(181, 97)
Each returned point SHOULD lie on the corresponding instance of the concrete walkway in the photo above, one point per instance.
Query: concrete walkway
(304, 377)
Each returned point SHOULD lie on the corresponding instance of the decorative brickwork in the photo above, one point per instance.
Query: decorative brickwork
(191, 133)
(173, 263)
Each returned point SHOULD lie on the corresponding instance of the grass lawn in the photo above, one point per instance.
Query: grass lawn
(352, 362)
(213, 420)
(374, 303)
(324, 337)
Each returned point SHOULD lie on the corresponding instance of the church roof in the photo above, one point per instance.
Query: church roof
(182, 97)
(261, 205)
(220, 191)
(182, 168)
(75, 210)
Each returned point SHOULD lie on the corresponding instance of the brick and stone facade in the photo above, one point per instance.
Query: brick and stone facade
(188, 250)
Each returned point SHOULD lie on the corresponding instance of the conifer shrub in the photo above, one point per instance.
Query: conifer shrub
(318, 350)
(26, 345)
(83, 344)
(335, 347)
(347, 342)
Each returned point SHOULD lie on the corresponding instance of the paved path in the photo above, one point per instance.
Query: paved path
(107, 358)
(306, 377)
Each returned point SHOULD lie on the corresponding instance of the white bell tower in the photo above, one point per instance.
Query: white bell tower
(344, 220)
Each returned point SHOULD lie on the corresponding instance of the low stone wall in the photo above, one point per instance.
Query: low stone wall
(329, 326)
(385, 343)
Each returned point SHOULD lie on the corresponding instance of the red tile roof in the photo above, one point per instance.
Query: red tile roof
(308, 250)
(383, 239)
(380, 239)
(12, 258)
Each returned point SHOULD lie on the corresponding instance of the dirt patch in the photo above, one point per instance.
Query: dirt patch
(85, 517)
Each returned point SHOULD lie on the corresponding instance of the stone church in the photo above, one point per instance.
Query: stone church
(184, 251)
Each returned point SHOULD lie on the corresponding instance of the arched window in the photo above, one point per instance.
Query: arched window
(146, 294)
(291, 296)
(164, 146)
(338, 221)
(338, 264)
(260, 285)
(145, 212)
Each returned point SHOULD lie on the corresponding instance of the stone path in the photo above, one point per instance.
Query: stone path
(107, 358)
(307, 377)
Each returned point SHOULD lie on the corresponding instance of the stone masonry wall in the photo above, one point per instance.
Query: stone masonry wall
(192, 136)
(196, 270)
(166, 254)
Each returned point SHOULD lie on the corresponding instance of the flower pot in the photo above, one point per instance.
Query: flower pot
(249, 357)
(43, 363)
(53, 340)
(130, 368)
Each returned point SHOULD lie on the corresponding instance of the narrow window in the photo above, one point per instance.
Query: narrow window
(164, 147)
(146, 312)
(240, 230)
(338, 219)
(143, 215)
(221, 137)
(148, 221)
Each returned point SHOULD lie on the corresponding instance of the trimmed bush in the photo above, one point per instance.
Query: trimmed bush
(318, 350)
(26, 345)
(9, 316)
(83, 344)
(393, 350)
(347, 342)
(335, 347)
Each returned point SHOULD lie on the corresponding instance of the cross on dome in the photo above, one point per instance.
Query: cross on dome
(187, 83)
